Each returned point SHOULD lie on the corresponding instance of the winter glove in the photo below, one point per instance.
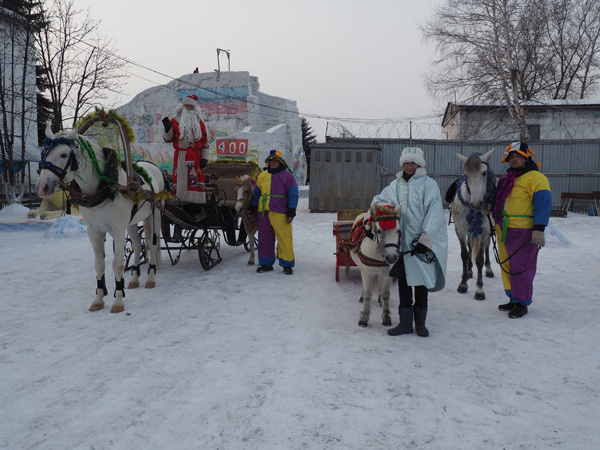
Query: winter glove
(203, 163)
(167, 124)
(420, 249)
(290, 214)
(537, 238)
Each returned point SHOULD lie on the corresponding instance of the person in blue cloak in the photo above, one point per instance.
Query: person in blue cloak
(421, 265)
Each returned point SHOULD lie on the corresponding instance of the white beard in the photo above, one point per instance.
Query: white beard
(189, 128)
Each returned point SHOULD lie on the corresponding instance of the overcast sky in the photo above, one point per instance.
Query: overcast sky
(335, 58)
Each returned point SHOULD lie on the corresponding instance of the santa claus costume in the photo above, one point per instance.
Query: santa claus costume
(188, 134)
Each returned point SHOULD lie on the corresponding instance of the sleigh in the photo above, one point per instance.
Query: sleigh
(341, 230)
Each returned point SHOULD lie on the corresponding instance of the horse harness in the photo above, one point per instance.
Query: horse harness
(357, 234)
(475, 218)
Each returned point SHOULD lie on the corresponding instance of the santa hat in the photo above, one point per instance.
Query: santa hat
(412, 154)
(522, 149)
(190, 100)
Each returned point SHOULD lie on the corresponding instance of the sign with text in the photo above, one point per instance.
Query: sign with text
(230, 148)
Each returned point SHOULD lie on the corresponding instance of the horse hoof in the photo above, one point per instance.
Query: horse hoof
(150, 284)
(117, 309)
(362, 323)
(133, 285)
(489, 274)
(250, 263)
(96, 307)
(387, 322)
(462, 289)
(479, 296)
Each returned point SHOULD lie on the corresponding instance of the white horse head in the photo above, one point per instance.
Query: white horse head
(245, 191)
(59, 161)
(477, 176)
(383, 222)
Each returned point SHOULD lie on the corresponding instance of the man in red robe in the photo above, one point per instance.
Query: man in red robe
(188, 134)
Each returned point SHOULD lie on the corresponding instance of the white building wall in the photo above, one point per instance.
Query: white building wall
(12, 54)
(555, 122)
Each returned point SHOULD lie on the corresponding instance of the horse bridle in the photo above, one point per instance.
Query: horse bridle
(51, 144)
(372, 236)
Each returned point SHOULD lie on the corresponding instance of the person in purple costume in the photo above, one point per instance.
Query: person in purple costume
(275, 199)
(521, 212)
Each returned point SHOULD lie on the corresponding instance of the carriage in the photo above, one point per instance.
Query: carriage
(188, 226)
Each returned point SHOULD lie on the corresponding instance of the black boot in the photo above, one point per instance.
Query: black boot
(420, 316)
(406, 321)
(519, 310)
(506, 306)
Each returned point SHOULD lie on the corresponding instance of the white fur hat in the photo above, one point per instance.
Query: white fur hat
(412, 154)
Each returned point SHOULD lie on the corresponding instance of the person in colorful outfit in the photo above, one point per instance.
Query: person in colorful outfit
(522, 211)
(423, 235)
(188, 134)
(275, 199)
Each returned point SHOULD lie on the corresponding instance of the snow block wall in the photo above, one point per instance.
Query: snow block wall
(242, 122)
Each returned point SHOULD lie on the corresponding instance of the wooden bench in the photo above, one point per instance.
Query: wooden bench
(580, 202)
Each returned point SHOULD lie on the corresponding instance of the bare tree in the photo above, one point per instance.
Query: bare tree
(508, 51)
(81, 65)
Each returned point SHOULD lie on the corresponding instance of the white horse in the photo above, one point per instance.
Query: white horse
(373, 253)
(245, 193)
(470, 210)
(92, 176)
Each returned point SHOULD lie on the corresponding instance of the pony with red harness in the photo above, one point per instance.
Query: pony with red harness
(373, 246)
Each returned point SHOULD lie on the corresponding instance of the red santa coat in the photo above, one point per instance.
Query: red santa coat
(193, 190)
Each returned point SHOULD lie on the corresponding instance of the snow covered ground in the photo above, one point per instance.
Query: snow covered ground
(232, 359)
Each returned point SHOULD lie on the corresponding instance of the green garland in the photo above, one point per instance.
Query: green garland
(110, 116)
(88, 152)
(143, 173)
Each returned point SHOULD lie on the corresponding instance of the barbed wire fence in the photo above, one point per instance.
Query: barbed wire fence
(429, 127)
(557, 124)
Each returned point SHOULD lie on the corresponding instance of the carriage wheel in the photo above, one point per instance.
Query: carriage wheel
(208, 250)
(128, 250)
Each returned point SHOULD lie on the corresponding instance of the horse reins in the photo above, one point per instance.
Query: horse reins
(497, 254)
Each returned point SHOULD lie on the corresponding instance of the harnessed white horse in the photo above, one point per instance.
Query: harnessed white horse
(470, 209)
(376, 251)
(92, 176)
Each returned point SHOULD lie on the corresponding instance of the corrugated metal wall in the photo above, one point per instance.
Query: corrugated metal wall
(345, 176)
(571, 166)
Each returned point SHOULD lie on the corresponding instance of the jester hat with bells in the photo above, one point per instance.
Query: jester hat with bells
(522, 149)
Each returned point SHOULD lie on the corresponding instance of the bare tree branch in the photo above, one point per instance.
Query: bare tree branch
(82, 65)
(510, 51)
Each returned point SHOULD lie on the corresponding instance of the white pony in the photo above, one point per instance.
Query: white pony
(373, 252)
(470, 209)
(92, 177)
(245, 193)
